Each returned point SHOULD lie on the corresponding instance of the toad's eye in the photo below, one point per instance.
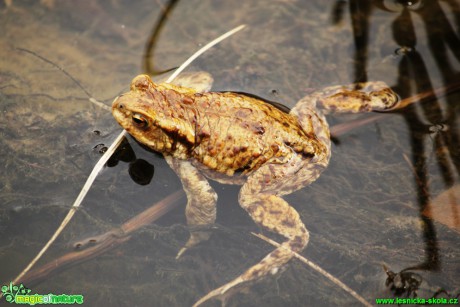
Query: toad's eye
(140, 121)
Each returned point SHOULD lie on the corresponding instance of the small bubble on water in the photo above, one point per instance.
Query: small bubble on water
(400, 5)
(438, 128)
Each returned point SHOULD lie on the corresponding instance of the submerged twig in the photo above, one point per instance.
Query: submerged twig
(107, 154)
(106, 241)
(319, 270)
(430, 94)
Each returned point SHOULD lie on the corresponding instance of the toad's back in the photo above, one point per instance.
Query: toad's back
(235, 132)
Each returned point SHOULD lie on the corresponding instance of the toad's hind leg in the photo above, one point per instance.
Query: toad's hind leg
(352, 98)
(260, 197)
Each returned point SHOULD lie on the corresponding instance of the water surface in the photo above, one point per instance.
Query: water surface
(364, 211)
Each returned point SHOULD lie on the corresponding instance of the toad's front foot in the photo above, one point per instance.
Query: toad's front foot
(196, 236)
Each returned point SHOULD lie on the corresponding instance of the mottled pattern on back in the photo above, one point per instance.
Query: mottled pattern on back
(240, 133)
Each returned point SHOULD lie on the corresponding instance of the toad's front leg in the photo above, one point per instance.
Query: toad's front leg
(201, 201)
(260, 197)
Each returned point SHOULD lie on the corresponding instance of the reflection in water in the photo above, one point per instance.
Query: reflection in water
(151, 43)
(403, 283)
(414, 78)
(359, 12)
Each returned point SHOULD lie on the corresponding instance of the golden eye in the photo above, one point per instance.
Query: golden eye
(140, 121)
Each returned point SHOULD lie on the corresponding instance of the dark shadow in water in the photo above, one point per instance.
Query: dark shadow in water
(140, 171)
(151, 43)
(414, 78)
(360, 11)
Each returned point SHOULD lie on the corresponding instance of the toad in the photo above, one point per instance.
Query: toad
(235, 138)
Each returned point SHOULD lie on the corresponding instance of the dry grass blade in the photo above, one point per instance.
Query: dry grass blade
(319, 270)
(100, 164)
(97, 168)
(202, 50)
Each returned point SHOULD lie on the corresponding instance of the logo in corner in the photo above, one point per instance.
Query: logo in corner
(19, 294)
(10, 292)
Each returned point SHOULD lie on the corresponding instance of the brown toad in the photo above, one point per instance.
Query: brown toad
(237, 139)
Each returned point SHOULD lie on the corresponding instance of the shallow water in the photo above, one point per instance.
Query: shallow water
(364, 211)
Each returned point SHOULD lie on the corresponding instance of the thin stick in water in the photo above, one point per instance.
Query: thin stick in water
(319, 270)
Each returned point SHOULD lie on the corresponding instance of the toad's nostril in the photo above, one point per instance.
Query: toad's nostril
(116, 103)
(121, 106)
